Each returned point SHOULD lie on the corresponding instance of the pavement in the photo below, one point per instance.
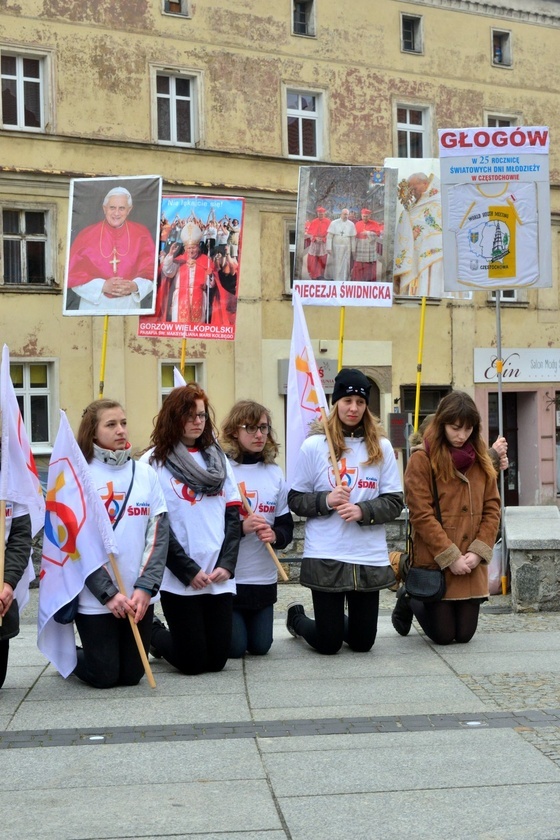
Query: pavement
(408, 741)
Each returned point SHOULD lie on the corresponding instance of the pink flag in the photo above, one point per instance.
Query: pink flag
(19, 481)
(305, 390)
(77, 540)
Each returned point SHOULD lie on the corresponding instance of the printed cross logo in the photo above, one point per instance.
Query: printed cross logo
(65, 515)
(309, 397)
(184, 492)
(111, 500)
(348, 475)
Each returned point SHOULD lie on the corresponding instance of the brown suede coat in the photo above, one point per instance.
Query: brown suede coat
(470, 512)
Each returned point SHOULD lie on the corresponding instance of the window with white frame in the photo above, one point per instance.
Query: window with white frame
(25, 252)
(500, 121)
(176, 7)
(509, 296)
(192, 373)
(303, 17)
(177, 103)
(289, 255)
(413, 134)
(501, 48)
(303, 112)
(33, 385)
(23, 91)
(411, 33)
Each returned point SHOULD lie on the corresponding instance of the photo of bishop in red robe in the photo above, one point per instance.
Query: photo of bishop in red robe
(112, 262)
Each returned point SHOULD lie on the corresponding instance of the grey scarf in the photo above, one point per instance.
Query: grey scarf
(184, 468)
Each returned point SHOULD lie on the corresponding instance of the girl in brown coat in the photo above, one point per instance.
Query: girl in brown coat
(462, 543)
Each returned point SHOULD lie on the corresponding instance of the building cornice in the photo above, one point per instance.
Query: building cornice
(511, 11)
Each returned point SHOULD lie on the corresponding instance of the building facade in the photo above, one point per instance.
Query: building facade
(231, 100)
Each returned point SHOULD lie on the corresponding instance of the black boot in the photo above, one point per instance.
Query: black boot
(402, 614)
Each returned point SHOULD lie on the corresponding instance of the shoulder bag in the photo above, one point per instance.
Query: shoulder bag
(427, 585)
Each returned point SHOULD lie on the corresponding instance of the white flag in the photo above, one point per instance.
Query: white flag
(19, 481)
(305, 390)
(78, 539)
(178, 378)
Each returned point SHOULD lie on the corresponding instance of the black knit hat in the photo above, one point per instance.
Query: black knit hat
(350, 382)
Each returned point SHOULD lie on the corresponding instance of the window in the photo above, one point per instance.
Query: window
(176, 7)
(176, 97)
(411, 33)
(22, 91)
(304, 18)
(33, 386)
(24, 247)
(192, 374)
(509, 296)
(501, 48)
(430, 396)
(289, 256)
(500, 121)
(303, 121)
(412, 132)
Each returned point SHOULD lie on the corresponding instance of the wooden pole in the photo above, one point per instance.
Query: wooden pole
(103, 357)
(133, 625)
(419, 363)
(271, 551)
(334, 461)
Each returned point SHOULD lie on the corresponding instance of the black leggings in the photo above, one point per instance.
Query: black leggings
(445, 622)
(331, 627)
(109, 654)
(199, 635)
(4, 651)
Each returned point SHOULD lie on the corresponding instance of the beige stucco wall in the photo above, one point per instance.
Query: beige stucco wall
(102, 62)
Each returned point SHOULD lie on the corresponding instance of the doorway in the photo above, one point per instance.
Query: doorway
(510, 431)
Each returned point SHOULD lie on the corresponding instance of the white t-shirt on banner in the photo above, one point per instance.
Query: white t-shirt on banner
(496, 234)
(330, 537)
(198, 522)
(265, 490)
(145, 500)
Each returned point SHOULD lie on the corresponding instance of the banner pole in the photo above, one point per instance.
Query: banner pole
(271, 551)
(499, 368)
(133, 625)
(103, 356)
(341, 336)
(183, 356)
(419, 362)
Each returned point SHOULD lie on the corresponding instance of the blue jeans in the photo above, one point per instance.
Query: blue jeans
(251, 632)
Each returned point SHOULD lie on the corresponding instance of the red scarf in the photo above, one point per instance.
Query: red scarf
(463, 457)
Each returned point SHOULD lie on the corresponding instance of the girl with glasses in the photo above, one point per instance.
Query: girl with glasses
(249, 443)
(203, 501)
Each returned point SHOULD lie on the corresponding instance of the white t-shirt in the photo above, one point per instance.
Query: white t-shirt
(198, 522)
(496, 234)
(145, 500)
(330, 537)
(265, 489)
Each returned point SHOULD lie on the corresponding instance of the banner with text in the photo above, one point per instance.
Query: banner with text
(496, 208)
(344, 235)
(199, 268)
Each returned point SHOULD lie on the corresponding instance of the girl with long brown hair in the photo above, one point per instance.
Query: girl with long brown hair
(203, 501)
(453, 462)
